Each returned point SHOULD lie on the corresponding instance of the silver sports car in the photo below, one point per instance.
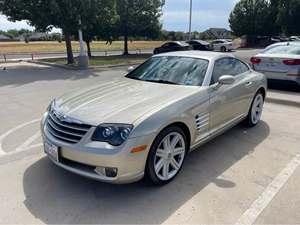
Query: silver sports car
(143, 125)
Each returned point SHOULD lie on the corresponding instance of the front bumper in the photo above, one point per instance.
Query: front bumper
(87, 157)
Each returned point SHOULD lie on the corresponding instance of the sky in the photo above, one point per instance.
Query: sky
(206, 14)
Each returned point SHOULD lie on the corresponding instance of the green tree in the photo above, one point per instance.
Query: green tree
(98, 19)
(138, 18)
(288, 18)
(251, 18)
(64, 14)
(46, 14)
(275, 28)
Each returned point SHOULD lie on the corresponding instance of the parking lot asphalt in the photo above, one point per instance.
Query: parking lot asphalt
(245, 176)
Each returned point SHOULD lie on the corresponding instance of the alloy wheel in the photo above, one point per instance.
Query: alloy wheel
(169, 156)
(257, 109)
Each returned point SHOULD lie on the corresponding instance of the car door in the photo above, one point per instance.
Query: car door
(176, 47)
(217, 45)
(229, 102)
(165, 48)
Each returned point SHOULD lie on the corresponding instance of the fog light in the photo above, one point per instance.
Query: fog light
(100, 171)
(111, 172)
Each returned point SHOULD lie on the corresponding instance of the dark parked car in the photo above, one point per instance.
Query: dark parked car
(173, 46)
(200, 45)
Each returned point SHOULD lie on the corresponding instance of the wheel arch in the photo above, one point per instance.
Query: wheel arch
(263, 91)
(184, 128)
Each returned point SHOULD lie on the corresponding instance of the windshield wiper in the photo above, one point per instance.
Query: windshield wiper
(161, 82)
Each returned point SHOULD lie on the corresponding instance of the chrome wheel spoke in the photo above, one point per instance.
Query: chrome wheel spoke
(179, 151)
(161, 153)
(175, 164)
(167, 143)
(175, 141)
(166, 170)
(159, 165)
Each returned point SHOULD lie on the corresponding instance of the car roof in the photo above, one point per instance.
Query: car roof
(290, 43)
(181, 43)
(198, 54)
(267, 54)
(221, 40)
(199, 41)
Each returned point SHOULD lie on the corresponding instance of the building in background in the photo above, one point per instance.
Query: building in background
(217, 33)
(4, 38)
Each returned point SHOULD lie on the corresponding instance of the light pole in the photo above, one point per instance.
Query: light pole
(190, 25)
(83, 59)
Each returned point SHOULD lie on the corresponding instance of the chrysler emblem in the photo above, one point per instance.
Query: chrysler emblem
(60, 115)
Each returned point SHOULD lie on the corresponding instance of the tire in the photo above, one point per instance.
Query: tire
(256, 109)
(160, 169)
(223, 49)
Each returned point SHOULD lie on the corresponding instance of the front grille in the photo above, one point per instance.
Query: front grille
(66, 131)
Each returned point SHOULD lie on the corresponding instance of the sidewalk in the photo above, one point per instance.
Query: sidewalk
(283, 97)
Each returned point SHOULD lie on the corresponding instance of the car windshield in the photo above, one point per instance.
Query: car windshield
(172, 70)
(293, 50)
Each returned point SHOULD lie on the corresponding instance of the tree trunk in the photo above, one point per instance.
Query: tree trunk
(68, 41)
(88, 46)
(126, 52)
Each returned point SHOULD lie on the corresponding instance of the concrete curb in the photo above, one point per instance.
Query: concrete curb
(9, 62)
(54, 65)
(283, 102)
(77, 68)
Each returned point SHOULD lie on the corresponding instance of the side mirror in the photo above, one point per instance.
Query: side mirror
(131, 68)
(226, 80)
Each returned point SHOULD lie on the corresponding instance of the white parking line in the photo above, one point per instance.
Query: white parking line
(27, 143)
(2, 152)
(250, 216)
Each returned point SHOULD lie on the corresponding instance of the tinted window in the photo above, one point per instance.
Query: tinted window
(172, 69)
(173, 45)
(228, 66)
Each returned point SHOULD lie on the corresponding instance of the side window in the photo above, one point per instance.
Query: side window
(240, 67)
(228, 66)
(173, 45)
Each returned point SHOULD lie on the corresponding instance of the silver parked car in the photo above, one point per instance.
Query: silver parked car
(144, 124)
(279, 61)
(222, 45)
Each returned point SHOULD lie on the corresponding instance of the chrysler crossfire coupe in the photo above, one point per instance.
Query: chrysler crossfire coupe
(144, 124)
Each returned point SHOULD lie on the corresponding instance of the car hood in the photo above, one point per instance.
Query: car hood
(119, 101)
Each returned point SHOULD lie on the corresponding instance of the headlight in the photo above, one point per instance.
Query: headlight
(114, 134)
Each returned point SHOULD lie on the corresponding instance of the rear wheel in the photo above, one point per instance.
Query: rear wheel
(255, 111)
(223, 49)
(166, 156)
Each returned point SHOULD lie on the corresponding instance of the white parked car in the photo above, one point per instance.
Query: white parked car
(295, 38)
(222, 45)
(144, 125)
(279, 61)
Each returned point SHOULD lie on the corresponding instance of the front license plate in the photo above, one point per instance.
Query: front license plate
(51, 150)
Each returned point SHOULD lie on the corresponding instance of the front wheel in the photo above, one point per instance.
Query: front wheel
(166, 156)
(255, 111)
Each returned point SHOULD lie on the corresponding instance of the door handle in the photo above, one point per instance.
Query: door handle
(248, 84)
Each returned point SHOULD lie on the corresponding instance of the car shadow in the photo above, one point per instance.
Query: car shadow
(283, 86)
(56, 196)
